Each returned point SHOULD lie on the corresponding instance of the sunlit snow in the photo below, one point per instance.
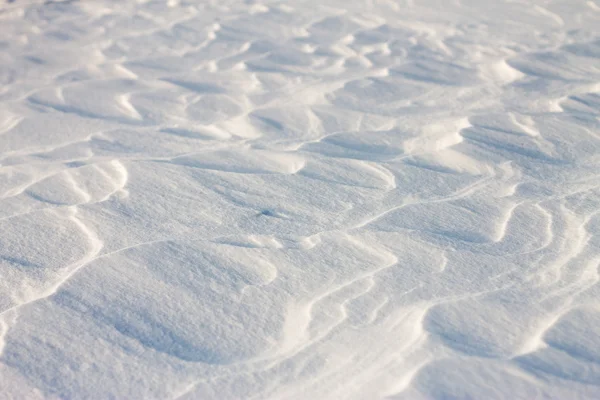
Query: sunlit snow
(332, 199)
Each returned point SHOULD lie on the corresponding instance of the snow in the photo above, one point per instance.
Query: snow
(366, 199)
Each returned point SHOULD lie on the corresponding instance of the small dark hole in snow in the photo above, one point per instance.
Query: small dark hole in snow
(267, 213)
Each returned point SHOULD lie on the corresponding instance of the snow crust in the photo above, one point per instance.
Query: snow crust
(300, 200)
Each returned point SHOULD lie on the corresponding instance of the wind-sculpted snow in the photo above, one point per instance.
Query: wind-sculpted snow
(300, 200)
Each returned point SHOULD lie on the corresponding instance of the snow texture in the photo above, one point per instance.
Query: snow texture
(300, 200)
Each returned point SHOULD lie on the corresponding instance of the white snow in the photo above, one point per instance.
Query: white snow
(335, 199)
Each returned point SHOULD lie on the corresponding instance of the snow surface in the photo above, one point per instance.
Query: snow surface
(300, 200)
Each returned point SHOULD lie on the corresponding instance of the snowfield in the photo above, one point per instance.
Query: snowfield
(300, 200)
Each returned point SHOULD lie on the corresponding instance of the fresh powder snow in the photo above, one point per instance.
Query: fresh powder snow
(339, 199)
